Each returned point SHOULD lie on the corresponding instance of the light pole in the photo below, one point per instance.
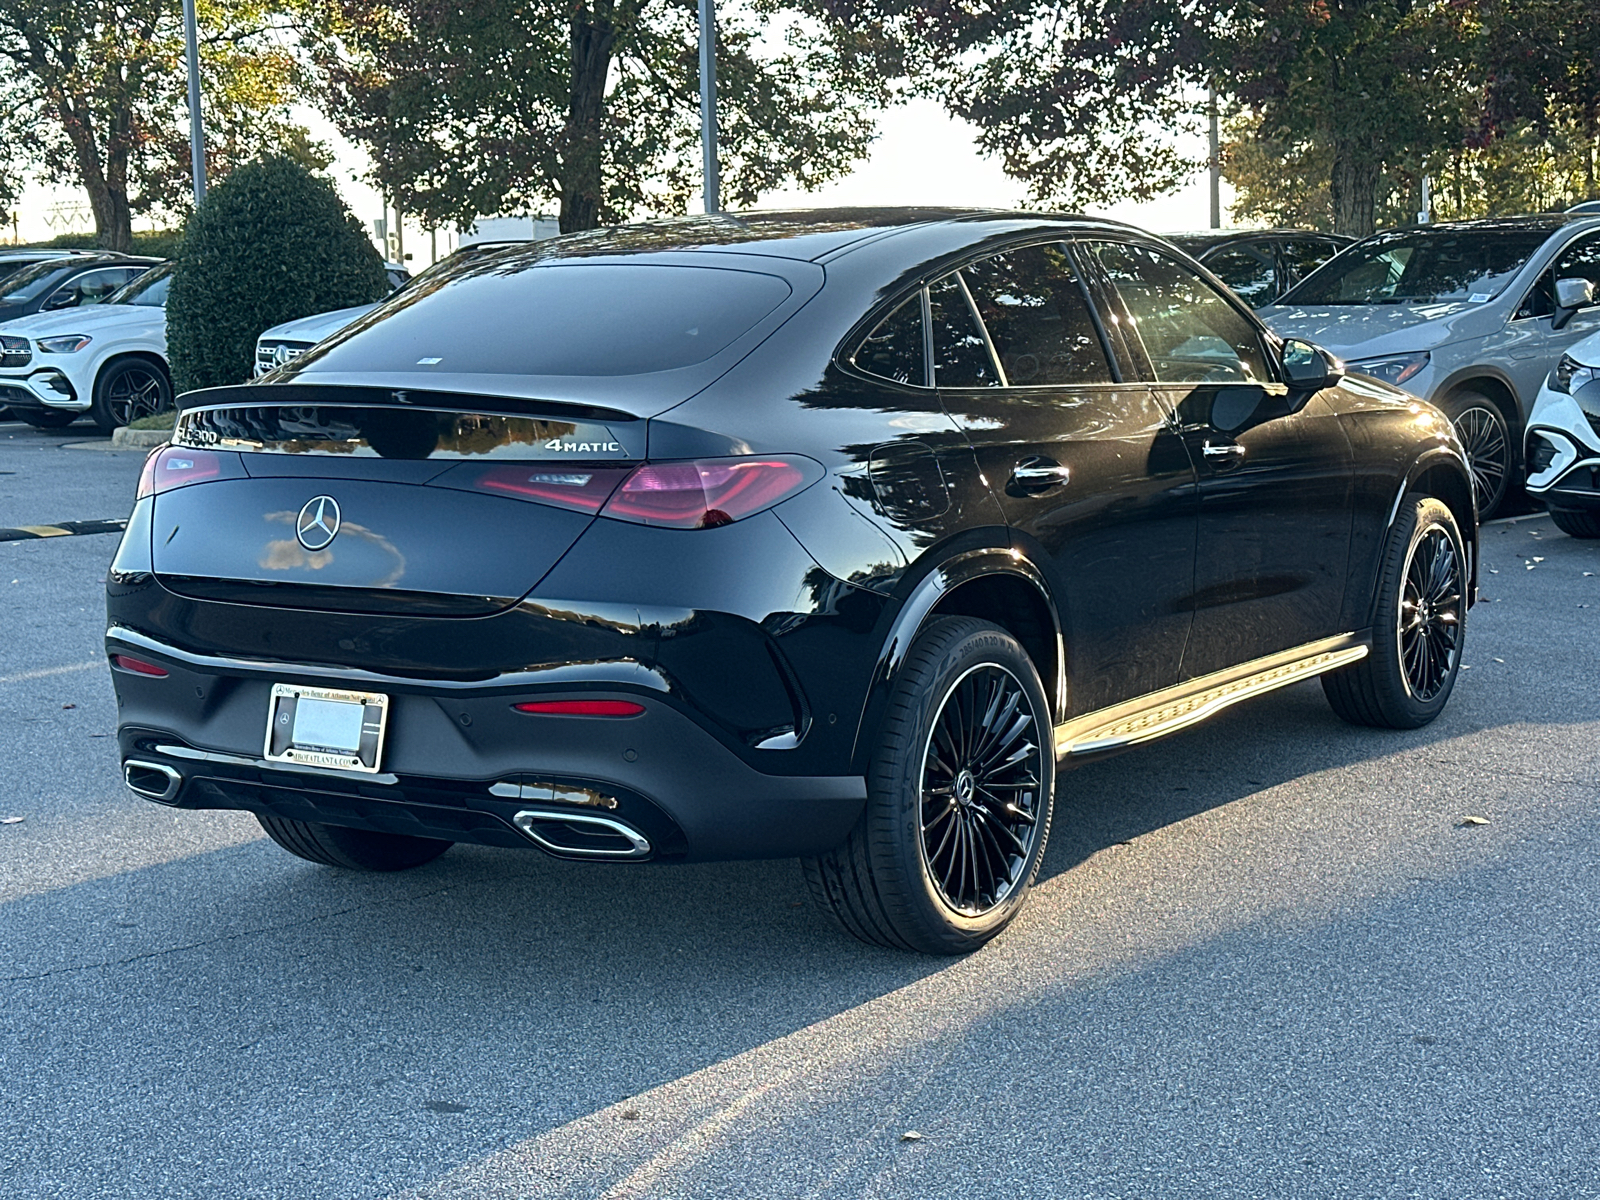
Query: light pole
(708, 103)
(1216, 162)
(197, 131)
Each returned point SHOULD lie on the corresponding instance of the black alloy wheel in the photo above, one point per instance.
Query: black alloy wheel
(981, 779)
(1482, 429)
(1429, 625)
(129, 390)
(960, 794)
(1418, 624)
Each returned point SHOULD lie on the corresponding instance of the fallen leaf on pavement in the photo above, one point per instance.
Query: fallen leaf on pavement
(66, 706)
(10, 820)
(911, 1135)
(1473, 821)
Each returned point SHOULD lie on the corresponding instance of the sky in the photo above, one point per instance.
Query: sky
(922, 156)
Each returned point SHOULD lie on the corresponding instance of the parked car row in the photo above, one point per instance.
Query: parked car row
(85, 334)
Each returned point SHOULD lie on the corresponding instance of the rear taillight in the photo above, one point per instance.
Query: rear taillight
(138, 666)
(581, 708)
(172, 466)
(585, 489)
(712, 492)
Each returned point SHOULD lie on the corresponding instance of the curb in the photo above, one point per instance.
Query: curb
(139, 439)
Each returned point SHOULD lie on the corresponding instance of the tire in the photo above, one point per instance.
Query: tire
(1576, 523)
(942, 867)
(48, 418)
(127, 389)
(1482, 428)
(353, 849)
(1418, 625)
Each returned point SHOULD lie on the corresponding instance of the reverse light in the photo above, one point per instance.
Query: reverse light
(171, 466)
(138, 666)
(584, 489)
(1395, 369)
(580, 708)
(708, 493)
(68, 344)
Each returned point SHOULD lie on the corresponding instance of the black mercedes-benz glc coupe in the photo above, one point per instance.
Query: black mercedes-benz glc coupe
(831, 535)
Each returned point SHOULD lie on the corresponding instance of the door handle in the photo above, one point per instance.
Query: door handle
(1223, 456)
(1039, 474)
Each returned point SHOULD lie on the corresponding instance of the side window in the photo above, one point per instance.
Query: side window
(89, 288)
(1581, 260)
(1191, 333)
(1037, 318)
(1251, 275)
(894, 349)
(1304, 255)
(960, 354)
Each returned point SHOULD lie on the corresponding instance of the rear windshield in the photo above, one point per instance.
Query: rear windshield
(557, 319)
(1422, 267)
(360, 431)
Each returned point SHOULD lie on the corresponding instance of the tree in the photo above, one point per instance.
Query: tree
(1542, 59)
(1081, 97)
(479, 107)
(101, 86)
(271, 243)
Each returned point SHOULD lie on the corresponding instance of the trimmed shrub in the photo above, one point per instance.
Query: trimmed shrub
(271, 243)
(160, 243)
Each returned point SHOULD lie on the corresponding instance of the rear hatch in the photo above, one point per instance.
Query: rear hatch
(436, 506)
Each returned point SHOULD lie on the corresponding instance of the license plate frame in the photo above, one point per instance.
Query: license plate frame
(284, 720)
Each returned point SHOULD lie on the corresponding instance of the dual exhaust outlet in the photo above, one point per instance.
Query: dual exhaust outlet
(566, 834)
(153, 781)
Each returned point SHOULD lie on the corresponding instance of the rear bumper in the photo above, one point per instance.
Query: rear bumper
(460, 764)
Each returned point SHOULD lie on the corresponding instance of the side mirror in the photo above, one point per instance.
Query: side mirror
(1309, 368)
(1571, 295)
(65, 299)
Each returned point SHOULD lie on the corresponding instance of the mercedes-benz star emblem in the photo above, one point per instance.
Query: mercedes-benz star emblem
(318, 523)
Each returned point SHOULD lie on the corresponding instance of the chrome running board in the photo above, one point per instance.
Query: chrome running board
(1171, 709)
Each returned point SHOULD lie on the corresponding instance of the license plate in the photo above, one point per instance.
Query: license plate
(322, 727)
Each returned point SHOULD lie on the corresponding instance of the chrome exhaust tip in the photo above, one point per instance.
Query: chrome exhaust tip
(581, 835)
(153, 781)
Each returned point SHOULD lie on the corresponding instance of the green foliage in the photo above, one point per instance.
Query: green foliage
(100, 87)
(491, 106)
(271, 243)
(159, 243)
(1080, 98)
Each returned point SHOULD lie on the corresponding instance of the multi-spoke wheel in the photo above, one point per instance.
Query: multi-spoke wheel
(981, 777)
(1482, 429)
(128, 389)
(1429, 625)
(1419, 621)
(959, 798)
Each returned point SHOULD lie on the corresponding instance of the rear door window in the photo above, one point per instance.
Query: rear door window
(1037, 317)
(1301, 256)
(895, 348)
(1190, 331)
(578, 319)
(960, 350)
(1249, 271)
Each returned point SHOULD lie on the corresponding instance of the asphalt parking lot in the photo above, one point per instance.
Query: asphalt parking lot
(1266, 958)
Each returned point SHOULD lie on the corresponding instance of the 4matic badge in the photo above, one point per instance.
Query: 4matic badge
(561, 445)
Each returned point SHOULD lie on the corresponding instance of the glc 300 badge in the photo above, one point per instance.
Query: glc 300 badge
(318, 523)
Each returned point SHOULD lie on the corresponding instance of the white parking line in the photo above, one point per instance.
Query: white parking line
(44, 672)
(1513, 520)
